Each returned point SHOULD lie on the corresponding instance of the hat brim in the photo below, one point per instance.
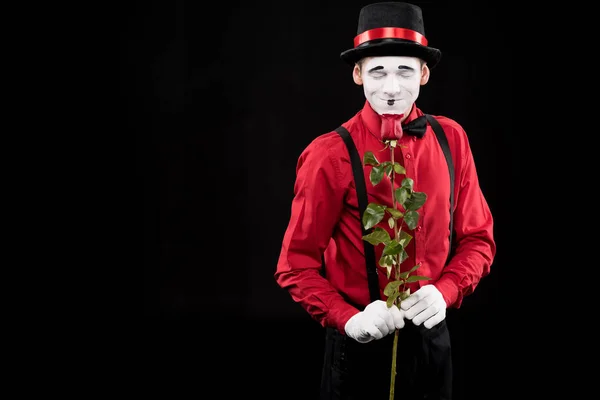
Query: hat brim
(392, 47)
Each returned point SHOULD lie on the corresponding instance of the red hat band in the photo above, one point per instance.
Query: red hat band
(390, 33)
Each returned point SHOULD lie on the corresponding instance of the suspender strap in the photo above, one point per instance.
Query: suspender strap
(441, 137)
(361, 190)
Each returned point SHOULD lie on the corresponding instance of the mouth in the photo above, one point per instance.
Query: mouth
(390, 102)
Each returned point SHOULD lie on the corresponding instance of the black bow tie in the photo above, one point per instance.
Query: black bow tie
(416, 127)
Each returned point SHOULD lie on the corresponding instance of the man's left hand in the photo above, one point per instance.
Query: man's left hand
(425, 306)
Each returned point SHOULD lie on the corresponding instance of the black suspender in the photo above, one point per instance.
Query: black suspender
(361, 188)
(443, 140)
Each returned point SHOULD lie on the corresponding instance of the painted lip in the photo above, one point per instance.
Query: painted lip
(393, 100)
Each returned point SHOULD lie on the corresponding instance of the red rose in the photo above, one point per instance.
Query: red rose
(391, 127)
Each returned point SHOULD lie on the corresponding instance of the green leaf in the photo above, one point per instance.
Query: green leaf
(387, 261)
(390, 301)
(404, 238)
(408, 184)
(388, 269)
(391, 222)
(392, 248)
(403, 256)
(413, 269)
(415, 201)
(414, 278)
(392, 293)
(399, 169)
(405, 274)
(376, 174)
(378, 236)
(373, 215)
(396, 214)
(412, 219)
(370, 159)
(388, 168)
(401, 194)
(392, 287)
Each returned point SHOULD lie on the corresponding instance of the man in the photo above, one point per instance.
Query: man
(323, 254)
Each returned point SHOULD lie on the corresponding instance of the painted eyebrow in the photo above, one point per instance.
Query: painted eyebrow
(401, 67)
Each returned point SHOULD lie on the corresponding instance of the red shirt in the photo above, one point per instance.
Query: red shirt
(325, 220)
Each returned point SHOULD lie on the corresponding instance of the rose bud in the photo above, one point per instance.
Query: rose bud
(391, 127)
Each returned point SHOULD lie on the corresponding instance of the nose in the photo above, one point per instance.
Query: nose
(391, 86)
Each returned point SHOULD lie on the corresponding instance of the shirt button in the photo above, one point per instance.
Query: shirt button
(414, 138)
(419, 228)
(408, 156)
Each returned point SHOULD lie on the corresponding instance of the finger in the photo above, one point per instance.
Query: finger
(415, 309)
(383, 324)
(389, 319)
(398, 316)
(424, 315)
(433, 321)
(414, 298)
(409, 301)
(374, 331)
(364, 337)
(383, 313)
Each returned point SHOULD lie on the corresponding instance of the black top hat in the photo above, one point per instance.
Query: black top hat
(391, 29)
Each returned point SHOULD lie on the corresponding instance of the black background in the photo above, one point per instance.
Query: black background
(222, 98)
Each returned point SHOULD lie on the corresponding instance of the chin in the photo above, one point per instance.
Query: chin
(393, 110)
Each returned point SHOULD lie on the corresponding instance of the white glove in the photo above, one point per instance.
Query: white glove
(425, 306)
(375, 322)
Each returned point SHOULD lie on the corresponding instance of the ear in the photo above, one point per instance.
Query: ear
(424, 74)
(356, 75)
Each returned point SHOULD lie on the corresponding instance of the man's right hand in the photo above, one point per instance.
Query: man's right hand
(375, 322)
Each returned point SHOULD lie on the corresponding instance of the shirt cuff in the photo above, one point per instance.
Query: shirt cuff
(448, 287)
(343, 313)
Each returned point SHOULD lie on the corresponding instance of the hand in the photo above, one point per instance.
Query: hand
(425, 306)
(376, 321)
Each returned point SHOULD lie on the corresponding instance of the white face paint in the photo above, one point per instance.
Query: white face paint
(391, 78)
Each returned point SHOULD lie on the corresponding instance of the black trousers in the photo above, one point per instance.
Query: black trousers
(362, 371)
